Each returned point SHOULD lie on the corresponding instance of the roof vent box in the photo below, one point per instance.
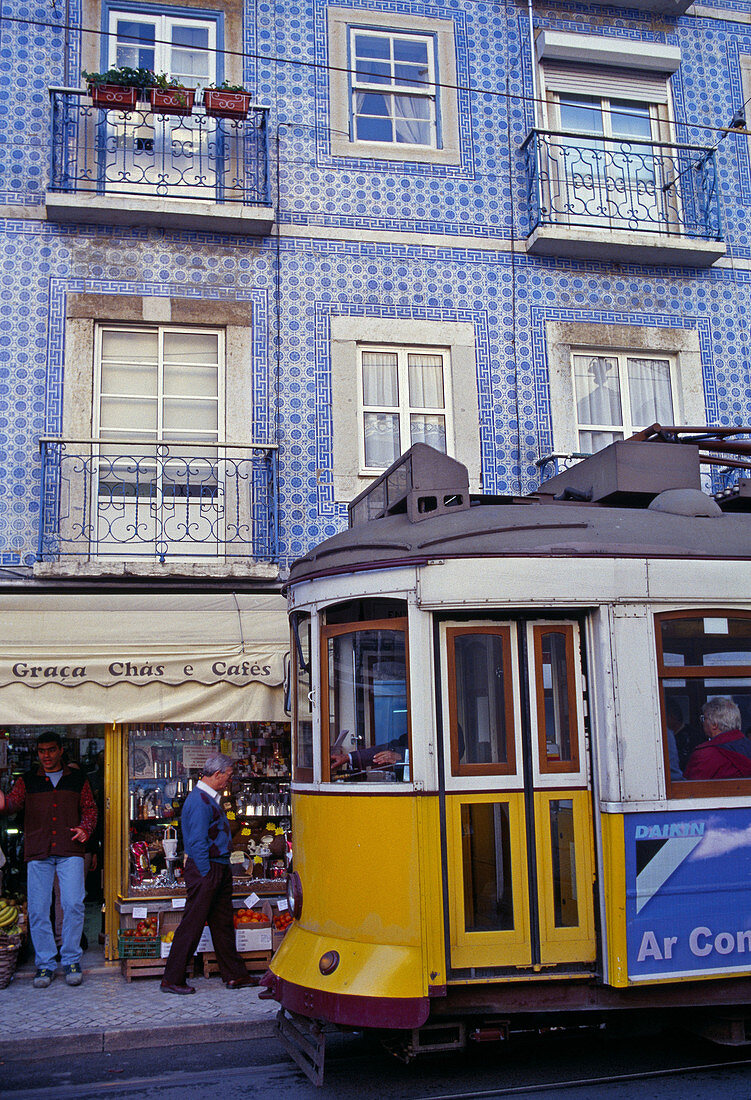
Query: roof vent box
(629, 474)
(423, 483)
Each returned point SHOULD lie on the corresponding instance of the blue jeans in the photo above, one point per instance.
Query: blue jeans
(40, 877)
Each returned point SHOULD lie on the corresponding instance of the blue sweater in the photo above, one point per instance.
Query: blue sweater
(207, 837)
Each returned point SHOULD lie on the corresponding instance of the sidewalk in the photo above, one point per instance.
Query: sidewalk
(107, 1013)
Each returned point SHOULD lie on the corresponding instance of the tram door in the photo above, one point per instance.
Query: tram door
(518, 808)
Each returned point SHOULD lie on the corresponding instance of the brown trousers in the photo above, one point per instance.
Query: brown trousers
(209, 902)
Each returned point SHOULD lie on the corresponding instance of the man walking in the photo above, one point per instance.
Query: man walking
(60, 815)
(207, 841)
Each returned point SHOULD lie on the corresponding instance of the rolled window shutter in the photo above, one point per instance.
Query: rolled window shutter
(604, 82)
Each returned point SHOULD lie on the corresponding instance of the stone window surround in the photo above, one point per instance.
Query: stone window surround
(682, 345)
(745, 62)
(339, 22)
(232, 44)
(347, 333)
(84, 311)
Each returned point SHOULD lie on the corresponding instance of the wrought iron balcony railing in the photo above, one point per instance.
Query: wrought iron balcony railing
(609, 183)
(158, 500)
(120, 152)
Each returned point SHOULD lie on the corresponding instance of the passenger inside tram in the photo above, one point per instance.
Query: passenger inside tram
(726, 752)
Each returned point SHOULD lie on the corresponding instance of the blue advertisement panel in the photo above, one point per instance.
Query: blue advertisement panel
(688, 892)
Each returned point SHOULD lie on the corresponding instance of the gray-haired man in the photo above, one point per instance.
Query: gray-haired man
(207, 840)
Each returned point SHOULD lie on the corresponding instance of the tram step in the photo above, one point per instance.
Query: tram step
(304, 1041)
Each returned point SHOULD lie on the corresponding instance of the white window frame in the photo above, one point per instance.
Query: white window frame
(147, 437)
(392, 90)
(341, 23)
(163, 25)
(627, 427)
(161, 330)
(644, 341)
(404, 410)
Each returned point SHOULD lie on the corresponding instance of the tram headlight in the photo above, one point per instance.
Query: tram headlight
(294, 894)
(328, 962)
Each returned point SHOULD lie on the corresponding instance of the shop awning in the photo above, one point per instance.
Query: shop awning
(142, 657)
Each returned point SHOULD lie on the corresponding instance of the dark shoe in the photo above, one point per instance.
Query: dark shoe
(241, 983)
(181, 990)
(43, 978)
(73, 975)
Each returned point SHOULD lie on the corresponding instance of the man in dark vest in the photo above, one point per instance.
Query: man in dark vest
(207, 840)
(60, 815)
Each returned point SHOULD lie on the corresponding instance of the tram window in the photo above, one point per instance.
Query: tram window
(704, 664)
(556, 699)
(303, 706)
(486, 867)
(565, 904)
(480, 701)
(360, 611)
(367, 717)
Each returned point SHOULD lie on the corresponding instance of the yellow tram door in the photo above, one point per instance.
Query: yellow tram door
(518, 810)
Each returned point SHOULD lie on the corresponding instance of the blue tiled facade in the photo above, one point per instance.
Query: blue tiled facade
(367, 238)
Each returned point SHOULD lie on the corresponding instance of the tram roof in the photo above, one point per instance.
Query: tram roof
(674, 520)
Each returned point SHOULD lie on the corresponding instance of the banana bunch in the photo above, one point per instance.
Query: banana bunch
(8, 917)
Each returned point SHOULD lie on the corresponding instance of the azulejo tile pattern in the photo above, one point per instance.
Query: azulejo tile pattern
(340, 251)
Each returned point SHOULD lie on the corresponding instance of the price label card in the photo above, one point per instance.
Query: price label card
(251, 900)
(282, 904)
(178, 903)
(140, 912)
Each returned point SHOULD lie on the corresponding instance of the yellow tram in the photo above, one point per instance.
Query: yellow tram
(496, 706)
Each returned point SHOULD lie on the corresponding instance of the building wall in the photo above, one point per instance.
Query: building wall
(392, 243)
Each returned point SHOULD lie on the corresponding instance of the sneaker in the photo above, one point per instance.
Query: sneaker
(73, 975)
(42, 978)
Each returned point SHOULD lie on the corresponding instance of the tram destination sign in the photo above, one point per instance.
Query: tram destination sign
(688, 893)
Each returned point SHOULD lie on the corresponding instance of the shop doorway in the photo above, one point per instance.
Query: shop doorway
(84, 748)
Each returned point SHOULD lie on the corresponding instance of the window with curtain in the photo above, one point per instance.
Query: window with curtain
(393, 87)
(159, 416)
(404, 400)
(618, 393)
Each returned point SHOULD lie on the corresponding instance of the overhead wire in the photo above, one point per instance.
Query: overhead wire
(516, 97)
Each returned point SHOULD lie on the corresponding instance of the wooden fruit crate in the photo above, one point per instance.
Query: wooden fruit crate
(142, 968)
(256, 962)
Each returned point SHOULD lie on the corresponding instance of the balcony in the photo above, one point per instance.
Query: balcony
(157, 502)
(672, 8)
(597, 198)
(120, 167)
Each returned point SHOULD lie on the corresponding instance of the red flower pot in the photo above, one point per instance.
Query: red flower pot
(113, 95)
(221, 104)
(172, 101)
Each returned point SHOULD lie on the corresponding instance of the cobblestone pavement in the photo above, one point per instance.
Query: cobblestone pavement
(108, 1013)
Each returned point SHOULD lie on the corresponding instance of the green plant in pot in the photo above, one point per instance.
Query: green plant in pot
(120, 86)
(170, 97)
(226, 100)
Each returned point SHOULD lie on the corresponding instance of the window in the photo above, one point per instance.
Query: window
(157, 387)
(403, 401)
(365, 688)
(704, 664)
(302, 717)
(605, 166)
(392, 91)
(617, 394)
(393, 96)
(481, 704)
(183, 47)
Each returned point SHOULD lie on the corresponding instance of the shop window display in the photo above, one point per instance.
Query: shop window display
(165, 763)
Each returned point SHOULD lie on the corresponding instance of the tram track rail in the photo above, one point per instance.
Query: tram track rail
(284, 1079)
